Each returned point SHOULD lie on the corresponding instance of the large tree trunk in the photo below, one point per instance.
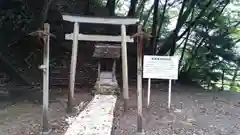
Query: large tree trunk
(111, 4)
(132, 9)
(148, 15)
(162, 19)
(154, 27)
(186, 41)
(195, 54)
(234, 77)
(41, 16)
(184, 49)
(141, 7)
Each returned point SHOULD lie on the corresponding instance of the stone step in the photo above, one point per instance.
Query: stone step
(106, 75)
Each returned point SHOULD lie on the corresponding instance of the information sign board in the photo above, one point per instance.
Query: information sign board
(160, 67)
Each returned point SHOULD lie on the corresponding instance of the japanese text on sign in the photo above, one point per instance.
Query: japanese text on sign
(160, 67)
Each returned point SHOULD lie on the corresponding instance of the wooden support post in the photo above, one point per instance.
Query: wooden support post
(99, 73)
(149, 92)
(45, 67)
(99, 70)
(223, 72)
(169, 94)
(139, 84)
(114, 70)
(140, 35)
(209, 82)
(73, 68)
(124, 67)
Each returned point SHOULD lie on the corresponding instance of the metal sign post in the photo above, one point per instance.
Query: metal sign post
(149, 92)
(169, 93)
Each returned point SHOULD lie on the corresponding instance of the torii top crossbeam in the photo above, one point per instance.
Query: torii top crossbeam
(100, 20)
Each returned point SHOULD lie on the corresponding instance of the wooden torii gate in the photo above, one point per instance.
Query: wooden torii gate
(75, 36)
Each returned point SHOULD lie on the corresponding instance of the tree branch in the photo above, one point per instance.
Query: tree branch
(193, 23)
(132, 8)
(162, 19)
(141, 6)
(154, 26)
(149, 13)
(111, 7)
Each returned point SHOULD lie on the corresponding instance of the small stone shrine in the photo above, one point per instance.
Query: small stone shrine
(107, 54)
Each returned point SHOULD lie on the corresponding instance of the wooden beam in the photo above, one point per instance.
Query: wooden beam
(124, 67)
(73, 68)
(100, 20)
(99, 38)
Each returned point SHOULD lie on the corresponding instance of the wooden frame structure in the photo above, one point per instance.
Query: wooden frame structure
(75, 36)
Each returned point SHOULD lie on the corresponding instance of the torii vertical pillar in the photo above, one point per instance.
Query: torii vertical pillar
(73, 68)
(124, 67)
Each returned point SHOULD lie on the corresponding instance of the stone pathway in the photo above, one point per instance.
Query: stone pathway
(96, 119)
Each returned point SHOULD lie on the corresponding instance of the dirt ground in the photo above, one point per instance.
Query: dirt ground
(24, 118)
(193, 113)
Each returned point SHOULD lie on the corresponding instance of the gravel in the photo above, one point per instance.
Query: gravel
(192, 113)
(24, 118)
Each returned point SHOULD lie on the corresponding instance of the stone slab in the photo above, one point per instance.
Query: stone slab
(96, 119)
